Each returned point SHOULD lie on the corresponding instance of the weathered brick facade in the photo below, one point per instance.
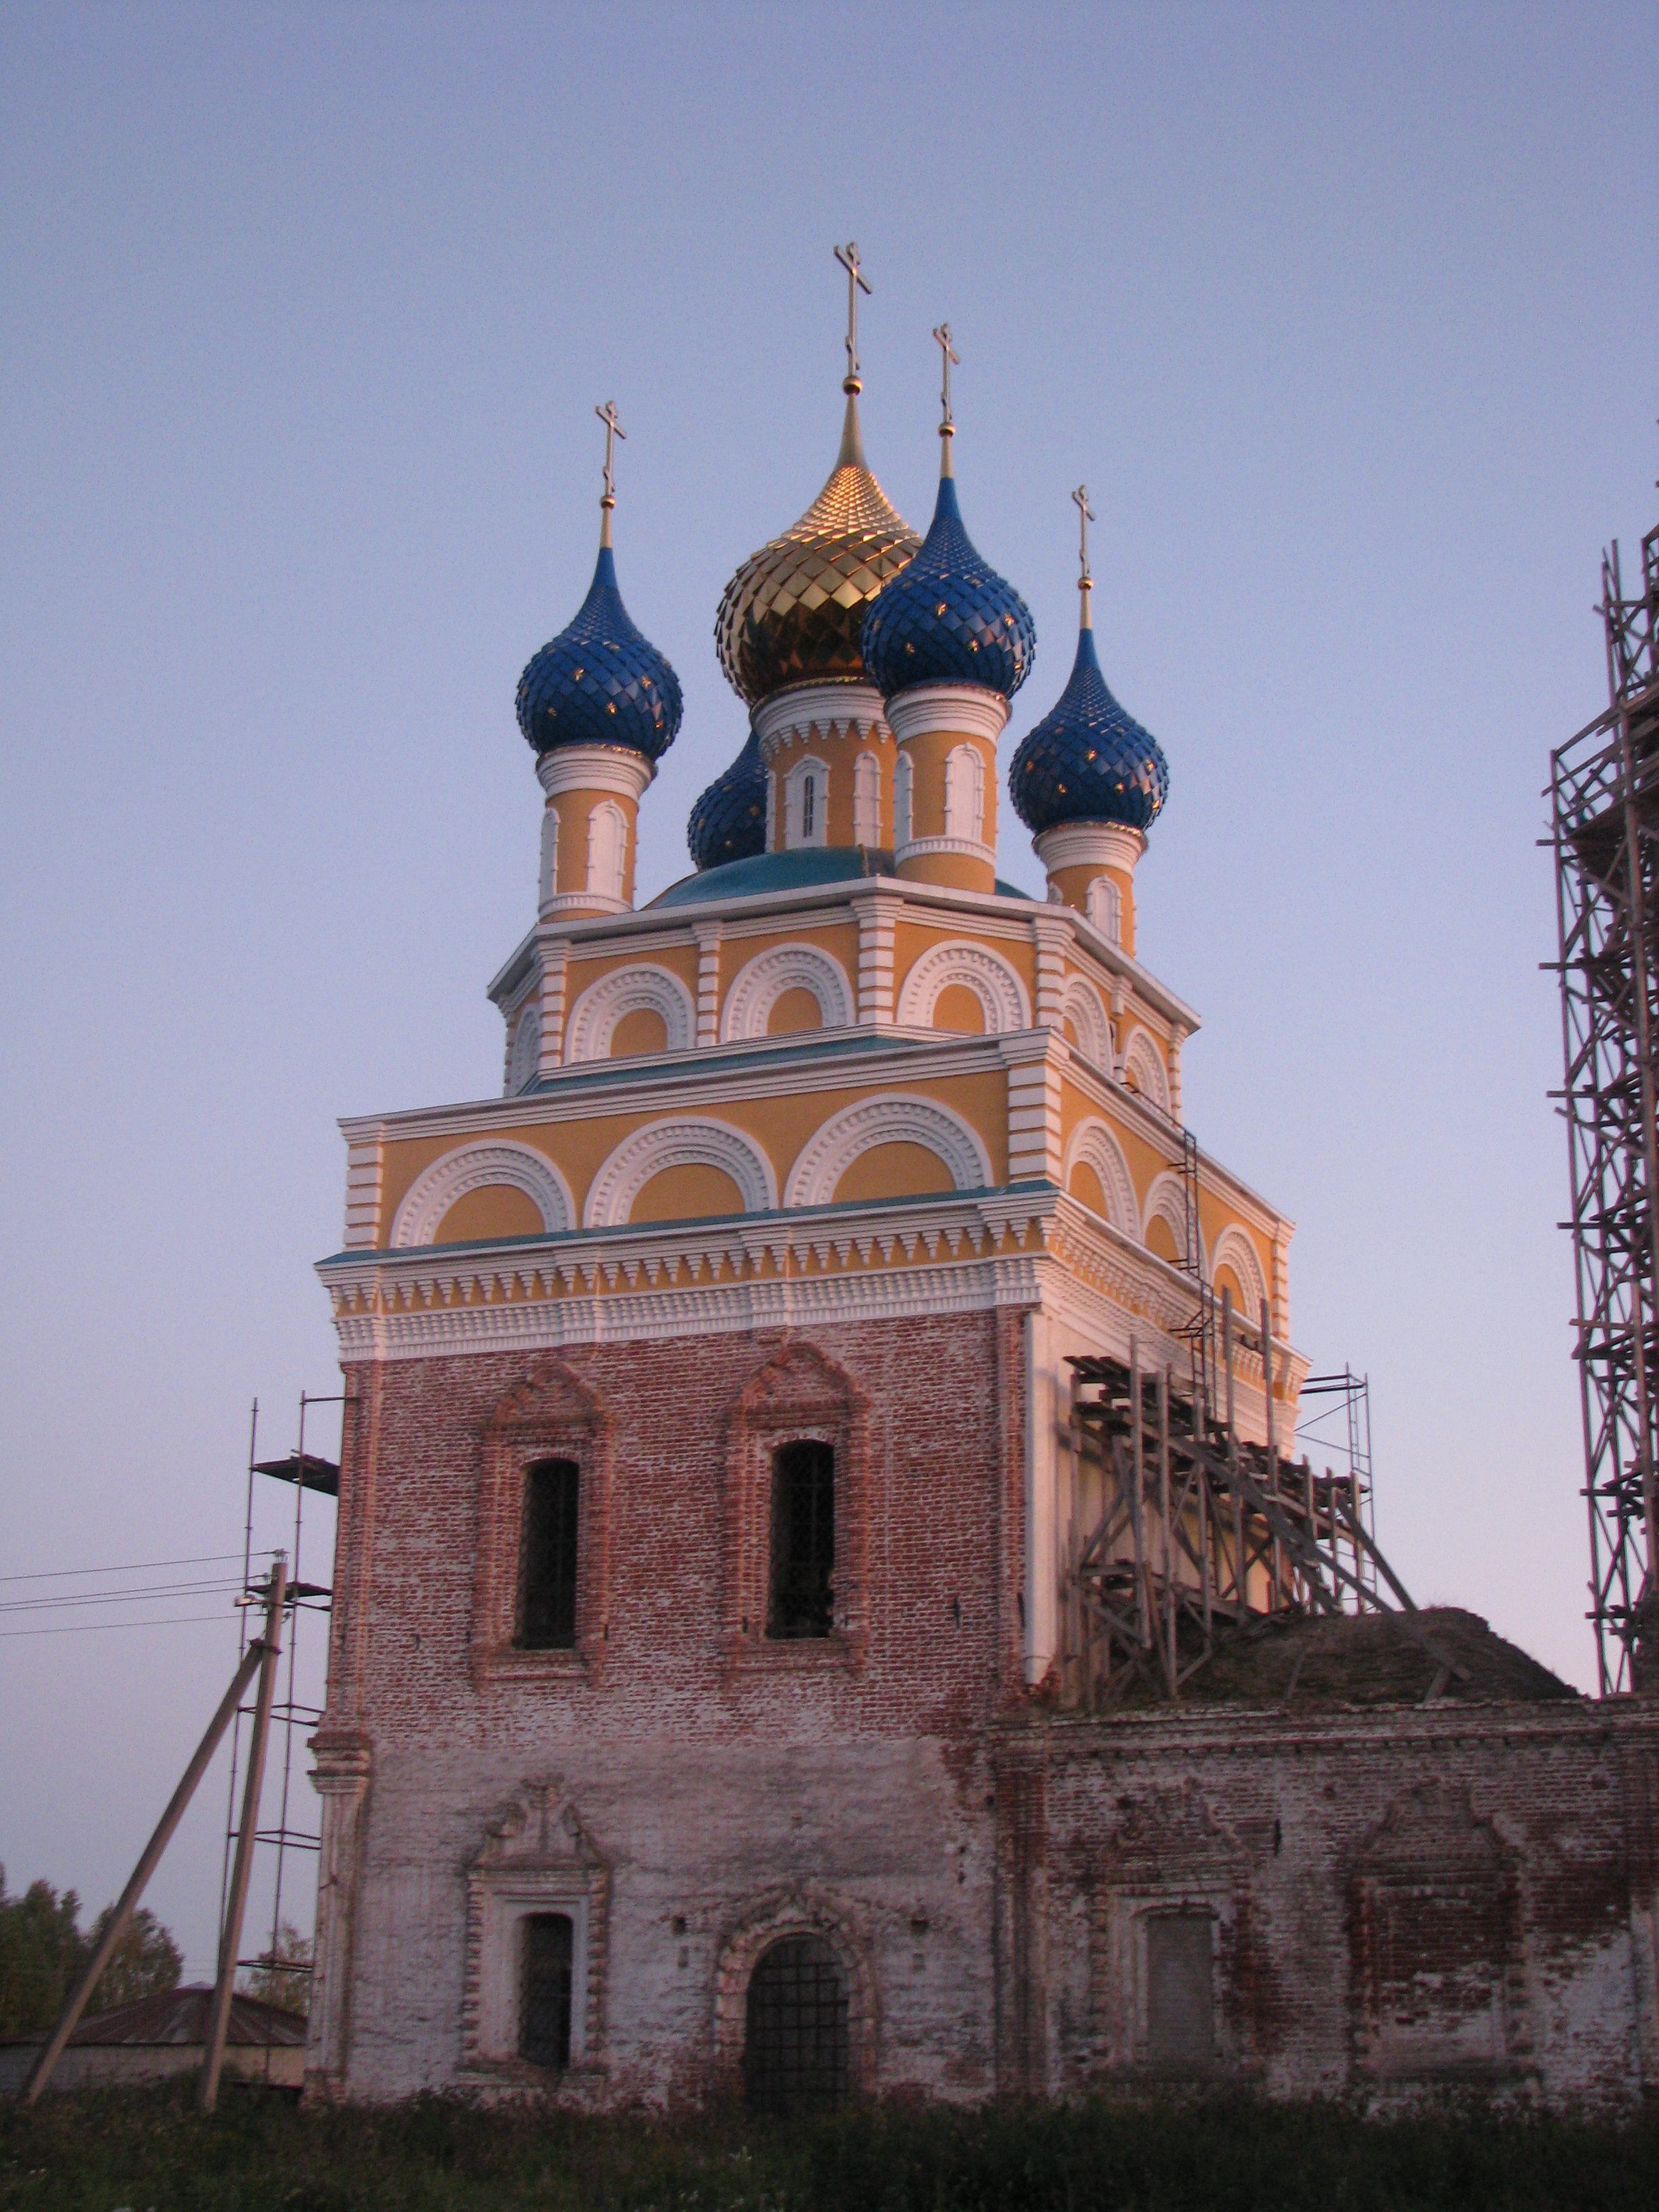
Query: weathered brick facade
(1380, 1901)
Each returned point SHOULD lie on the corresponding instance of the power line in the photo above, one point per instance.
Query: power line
(95, 1627)
(134, 1567)
(201, 1588)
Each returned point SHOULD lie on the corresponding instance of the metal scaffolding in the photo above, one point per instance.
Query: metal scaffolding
(1604, 812)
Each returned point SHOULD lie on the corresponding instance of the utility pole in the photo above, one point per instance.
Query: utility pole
(230, 1942)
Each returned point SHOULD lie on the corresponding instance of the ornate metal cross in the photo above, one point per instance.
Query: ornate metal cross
(857, 282)
(948, 354)
(613, 430)
(1085, 515)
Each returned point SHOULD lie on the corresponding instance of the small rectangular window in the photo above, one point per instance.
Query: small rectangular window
(803, 1541)
(809, 796)
(547, 1604)
(545, 1989)
(1180, 1993)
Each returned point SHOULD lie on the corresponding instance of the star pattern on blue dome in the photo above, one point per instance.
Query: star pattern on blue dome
(600, 682)
(949, 617)
(728, 823)
(1088, 760)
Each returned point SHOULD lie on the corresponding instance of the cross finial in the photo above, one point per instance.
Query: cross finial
(947, 354)
(857, 282)
(1085, 515)
(613, 430)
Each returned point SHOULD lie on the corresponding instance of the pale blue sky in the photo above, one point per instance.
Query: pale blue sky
(1347, 315)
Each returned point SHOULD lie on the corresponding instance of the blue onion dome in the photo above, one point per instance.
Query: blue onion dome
(949, 617)
(1087, 760)
(600, 682)
(728, 823)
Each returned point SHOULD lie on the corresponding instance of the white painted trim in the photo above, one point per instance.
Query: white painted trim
(1103, 904)
(1094, 1145)
(964, 810)
(1144, 1061)
(685, 1142)
(763, 982)
(593, 1018)
(894, 1119)
(1234, 1249)
(822, 710)
(905, 804)
(524, 1059)
(1090, 844)
(607, 851)
(1166, 1200)
(968, 710)
(1081, 1006)
(475, 1167)
(919, 846)
(584, 903)
(547, 877)
(616, 769)
(998, 989)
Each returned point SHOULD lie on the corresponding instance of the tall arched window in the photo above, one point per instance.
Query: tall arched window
(607, 849)
(547, 1576)
(795, 2038)
(544, 1978)
(1106, 908)
(964, 794)
(904, 776)
(866, 800)
(803, 1541)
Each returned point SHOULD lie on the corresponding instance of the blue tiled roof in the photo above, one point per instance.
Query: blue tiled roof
(600, 682)
(1088, 760)
(728, 823)
(949, 617)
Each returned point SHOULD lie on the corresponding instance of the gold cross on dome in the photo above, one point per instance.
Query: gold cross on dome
(857, 282)
(1085, 515)
(613, 430)
(947, 354)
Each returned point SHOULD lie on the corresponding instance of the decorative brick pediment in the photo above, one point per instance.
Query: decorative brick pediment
(540, 1829)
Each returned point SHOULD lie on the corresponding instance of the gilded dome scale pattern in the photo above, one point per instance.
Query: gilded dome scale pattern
(794, 612)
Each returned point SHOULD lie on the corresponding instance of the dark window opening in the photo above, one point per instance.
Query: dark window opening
(803, 1541)
(795, 2045)
(545, 2000)
(547, 1609)
(1180, 1991)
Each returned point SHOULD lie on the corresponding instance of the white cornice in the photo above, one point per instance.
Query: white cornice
(1090, 844)
(968, 710)
(824, 709)
(966, 848)
(594, 767)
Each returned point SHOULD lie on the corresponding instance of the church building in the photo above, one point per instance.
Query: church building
(724, 1691)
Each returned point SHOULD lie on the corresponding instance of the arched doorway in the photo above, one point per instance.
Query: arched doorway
(794, 2048)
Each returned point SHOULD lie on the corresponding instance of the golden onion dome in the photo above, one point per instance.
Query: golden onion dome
(794, 612)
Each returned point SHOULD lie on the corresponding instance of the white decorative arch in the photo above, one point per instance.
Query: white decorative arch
(897, 1118)
(594, 1016)
(759, 986)
(1167, 1201)
(1000, 993)
(1093, 1145)
(1234, 1249)
(1083, 1006)
(1104, 902)
(524, 1060)
(1144, 1063)
(904, 781)
(681, 1144)
(475, 1167)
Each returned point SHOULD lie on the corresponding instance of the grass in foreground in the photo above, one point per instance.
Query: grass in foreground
(98, 2152)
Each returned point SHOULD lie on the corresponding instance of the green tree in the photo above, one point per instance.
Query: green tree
(43, 1950)
(283, 1976)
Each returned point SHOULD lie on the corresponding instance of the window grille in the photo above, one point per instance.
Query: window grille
(795, 2045)
(547, 1609)
(545, 1989)
(803, 1541)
